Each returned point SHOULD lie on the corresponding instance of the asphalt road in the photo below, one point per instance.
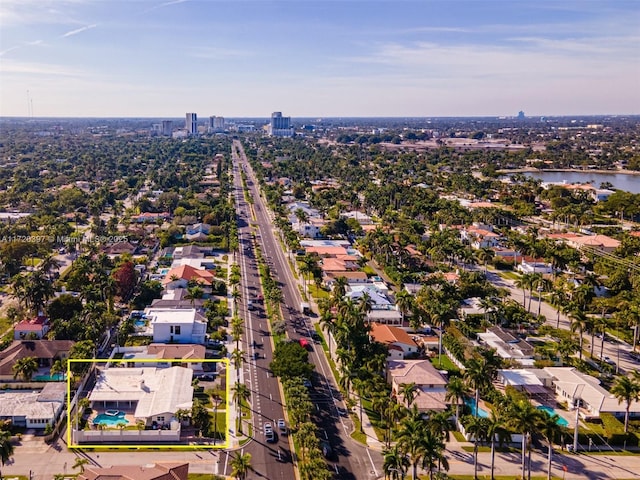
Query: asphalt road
(350, 460)
(268, 460)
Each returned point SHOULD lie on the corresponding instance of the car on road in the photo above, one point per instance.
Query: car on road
(609, 361)
(316, 337)
(342, 412)
(326, 449)
(269, 433)
(307, 383)
(282, 426)
(205, 377)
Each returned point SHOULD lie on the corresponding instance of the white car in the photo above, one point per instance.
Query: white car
(282, 426)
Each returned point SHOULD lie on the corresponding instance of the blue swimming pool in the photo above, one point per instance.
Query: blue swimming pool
(113, 419)
(57, 377)
(560, 421)
(471, 403)
(140, 323)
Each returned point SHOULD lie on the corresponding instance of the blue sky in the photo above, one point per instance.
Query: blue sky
(319, 58)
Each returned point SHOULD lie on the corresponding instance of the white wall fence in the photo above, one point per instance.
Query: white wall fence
(116, 436)
(516, 438)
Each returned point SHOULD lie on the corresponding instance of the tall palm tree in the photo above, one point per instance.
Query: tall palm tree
(395, 463)
(579, 323)
(457, 391)
(240, 466)
(478, 427)
(433, 447)
(25, 368)
(549, 429)
(524, 418)
(241, 393)
(476, 378)
(496, 430)
(405, 302)
(410, 439)
(627, 390)
(558, 299)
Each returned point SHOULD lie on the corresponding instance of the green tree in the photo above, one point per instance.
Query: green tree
(240, 465)
(6, 447)
(80, 463)
(523, 418)
(25, 368)
(457, 391)
(241, 393)
(549, 428)
(200, 417)
(627, 390)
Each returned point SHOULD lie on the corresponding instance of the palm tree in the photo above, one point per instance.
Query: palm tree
(476, 378)
(80, 463)
(240, 466)
(558, 299)
(241, 393)
(410, 439)
(524, 418)
(457, 391)
(549, 429)
(626, 390)
(433, 457)
(405, 302)
(485, 255)
(478, 427)
(395, 463)
(25, 368)
(408, 391)
(496, 429)
(6, 447)
(579, 323)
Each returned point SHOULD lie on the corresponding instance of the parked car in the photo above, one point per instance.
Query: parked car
(326, 449)
(609, 361)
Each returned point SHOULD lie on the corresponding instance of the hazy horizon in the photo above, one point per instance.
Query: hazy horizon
(339, 58)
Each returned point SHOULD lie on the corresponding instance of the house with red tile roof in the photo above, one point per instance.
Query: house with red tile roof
(157, 471)
(399, 343)
(179, 277)
(431, 385)
(38, 326)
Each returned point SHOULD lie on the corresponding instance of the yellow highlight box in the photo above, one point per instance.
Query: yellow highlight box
(150, 445)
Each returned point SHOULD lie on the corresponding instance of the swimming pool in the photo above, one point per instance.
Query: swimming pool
(471, 403)
(140, 323)
(57, 377)
(163, 271)
(110, 420)
(560, 421)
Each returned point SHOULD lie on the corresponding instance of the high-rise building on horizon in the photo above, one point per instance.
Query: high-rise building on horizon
(280, 126)
(191, 124)
(216, 124)
(167, 128)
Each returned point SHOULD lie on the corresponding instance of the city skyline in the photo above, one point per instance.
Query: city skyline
(318, 59)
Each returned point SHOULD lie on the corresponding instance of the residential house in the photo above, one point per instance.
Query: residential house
(507, 346)
(153, 394)
(33, 409)
(177, 325)
(353, 278)
(533, 265)
(198, 232)
(360, 217)
(120, 248)
(480, 236)
(383, 309)
(571, 385)
(164, 353)
(602, 243)
(399, 343)
(178, 298)
(29, 328)
(154, 471)
(431, 385)
(180, 277)
(148, 217)
(44, 351)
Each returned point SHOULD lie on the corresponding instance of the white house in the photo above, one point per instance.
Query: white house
(177, 325)
(533, 266)
(33, 409)
(507, 346)
(154, 394)
(480, 236)
(571, 385)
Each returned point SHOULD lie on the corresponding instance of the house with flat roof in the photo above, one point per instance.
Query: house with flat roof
(154, 471)
(171, 325)
(33, 409)
(431, 385)
(152, 394)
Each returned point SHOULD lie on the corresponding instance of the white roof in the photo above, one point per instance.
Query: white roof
(519, 377)
(600, 400)
(30, 404)
(157, 390)
(174, 315)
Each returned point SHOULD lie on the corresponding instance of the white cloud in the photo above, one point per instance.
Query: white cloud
(78, 30)
(14, 67)
(217, 53)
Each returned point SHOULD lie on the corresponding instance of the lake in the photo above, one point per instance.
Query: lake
(629, 183)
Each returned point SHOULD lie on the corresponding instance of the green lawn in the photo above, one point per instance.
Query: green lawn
(357, 435)
(459, 436)
(204, 476)
(220, 425)
(444, 363)
(497, 477)
(510, 275)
